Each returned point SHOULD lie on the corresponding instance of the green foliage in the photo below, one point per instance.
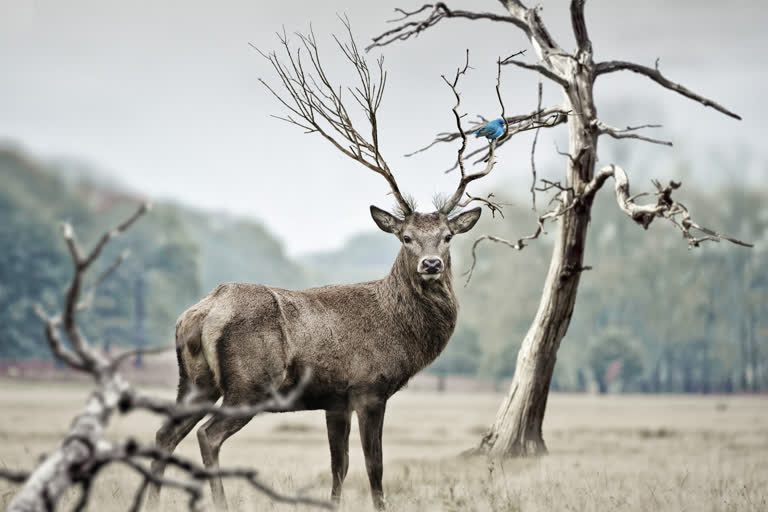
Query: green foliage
(175, 255)
(502, 365)
(613, 357)
(235, 249)
(363, 257)
(461, 356)
(679, 320)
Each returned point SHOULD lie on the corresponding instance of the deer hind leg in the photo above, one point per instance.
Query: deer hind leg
(210, 437)
(338, 423)
(173, 431)
(370, 417)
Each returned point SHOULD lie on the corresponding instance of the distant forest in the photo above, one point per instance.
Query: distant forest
(652, 315)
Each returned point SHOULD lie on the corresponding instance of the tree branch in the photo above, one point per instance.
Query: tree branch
(580, 27)
(627, 133)
(655, 75)
(520, 243)
(543, 69)
(466, 179)
(16, 477)
(492, 205)
(435, 13)
(533, 149)
(541, 118)
(665, 207)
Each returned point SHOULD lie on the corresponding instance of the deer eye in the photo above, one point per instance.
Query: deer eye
(406, 239)
(448, 237)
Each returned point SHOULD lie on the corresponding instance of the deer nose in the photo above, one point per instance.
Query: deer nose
(432, 265)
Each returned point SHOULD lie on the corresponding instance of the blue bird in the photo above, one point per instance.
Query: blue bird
(491, 130)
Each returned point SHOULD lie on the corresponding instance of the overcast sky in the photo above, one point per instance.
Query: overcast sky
(164, 96)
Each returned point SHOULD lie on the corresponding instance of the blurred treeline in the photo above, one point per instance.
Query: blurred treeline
(652, 315)
(176, 255)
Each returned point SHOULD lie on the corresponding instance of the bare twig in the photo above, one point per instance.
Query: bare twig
(544, 70)
(435, 13)
(466, 179)
(533, 150)
(627, 133)
(121, 358)
(201, 475)
(549, 185)
(519, 244)
(494, 206)
(655, 75)
(131, 400)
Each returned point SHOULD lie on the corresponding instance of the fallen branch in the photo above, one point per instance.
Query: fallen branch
(84, 451)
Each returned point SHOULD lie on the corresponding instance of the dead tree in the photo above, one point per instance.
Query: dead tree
(84, 451)
(517, 428)
(364, 341)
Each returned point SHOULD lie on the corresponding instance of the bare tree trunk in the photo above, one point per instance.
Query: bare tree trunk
(140, 316)
(517, 429)
(753, 357)
(440, 382)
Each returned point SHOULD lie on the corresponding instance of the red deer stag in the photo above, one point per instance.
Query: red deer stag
(362, 342)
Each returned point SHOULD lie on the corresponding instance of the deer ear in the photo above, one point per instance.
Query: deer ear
(385, 220)
(464, 221)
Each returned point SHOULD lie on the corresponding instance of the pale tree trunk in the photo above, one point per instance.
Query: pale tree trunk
(517, 428)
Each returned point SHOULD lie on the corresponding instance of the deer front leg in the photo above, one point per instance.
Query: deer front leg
(338, 423)
(210, 437)
(370, 418)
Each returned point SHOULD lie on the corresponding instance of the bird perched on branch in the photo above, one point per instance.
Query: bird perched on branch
(491, 130)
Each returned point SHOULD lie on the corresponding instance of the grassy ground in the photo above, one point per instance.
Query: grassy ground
(607, 453)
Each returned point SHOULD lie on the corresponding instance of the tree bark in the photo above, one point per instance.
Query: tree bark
(59, 471)
(140, 316)
(517, 430)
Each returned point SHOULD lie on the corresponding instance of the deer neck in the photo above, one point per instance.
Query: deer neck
(425, 310)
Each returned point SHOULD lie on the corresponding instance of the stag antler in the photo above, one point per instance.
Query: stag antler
(466, 179)
(315, 104)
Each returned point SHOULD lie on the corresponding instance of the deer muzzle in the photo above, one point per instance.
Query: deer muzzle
(431, 267)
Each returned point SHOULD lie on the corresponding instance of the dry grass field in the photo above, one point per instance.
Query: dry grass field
(615, 453)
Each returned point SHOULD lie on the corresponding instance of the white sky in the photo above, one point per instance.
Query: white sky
(164, 96)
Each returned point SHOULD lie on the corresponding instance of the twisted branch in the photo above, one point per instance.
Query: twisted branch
(665, 207)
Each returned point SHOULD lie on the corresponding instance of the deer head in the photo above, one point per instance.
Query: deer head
(426, 237)
(316, 105)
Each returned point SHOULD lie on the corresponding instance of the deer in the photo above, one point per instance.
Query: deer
(362, 342)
